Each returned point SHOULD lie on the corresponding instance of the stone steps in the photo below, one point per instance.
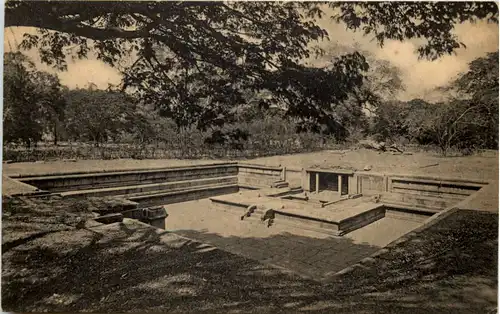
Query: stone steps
(66, 183)
(404, 185)
(184, 195)
(328, 221)
(280, 184)
(419, 201)
(448, 196)
(144, 189)
(257, 181)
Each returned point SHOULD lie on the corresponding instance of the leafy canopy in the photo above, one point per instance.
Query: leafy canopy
(32, 100)
(86, 119)
(194, 59)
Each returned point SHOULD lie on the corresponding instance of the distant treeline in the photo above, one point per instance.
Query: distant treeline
(109, 123)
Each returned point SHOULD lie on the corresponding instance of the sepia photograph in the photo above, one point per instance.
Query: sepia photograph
(250, 157)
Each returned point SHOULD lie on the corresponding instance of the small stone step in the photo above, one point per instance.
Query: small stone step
(279, 184)
(143, 189)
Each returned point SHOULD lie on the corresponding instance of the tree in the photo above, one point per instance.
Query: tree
(52, 102)
(420, 121)
(432, 21)
(382, 80)
(21, 111)
(389, 120)
(381, 83)
(32, 101)
(479, 86)
(222, 48)
(468, 120)
(97, 115)
(455, 124)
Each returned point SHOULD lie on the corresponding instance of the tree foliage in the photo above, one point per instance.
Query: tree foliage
(479, 86)
(98, 115)
(431, 21)
(194, 59)
(33, 101)
(465, 122)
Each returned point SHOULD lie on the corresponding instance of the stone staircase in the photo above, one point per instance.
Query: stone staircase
(420, 202)
(279, 184)
(147, 188)
(144, 189)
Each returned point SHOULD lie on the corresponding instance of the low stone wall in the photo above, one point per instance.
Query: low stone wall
(130, 190)
(293, 176)
(166, 198)
(123, 178)
(430, 193)
(370, 184)
(258, 176)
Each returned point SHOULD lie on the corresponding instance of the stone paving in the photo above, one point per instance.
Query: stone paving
(308, 253)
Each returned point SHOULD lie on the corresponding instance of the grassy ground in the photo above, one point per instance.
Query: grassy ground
(53, 262)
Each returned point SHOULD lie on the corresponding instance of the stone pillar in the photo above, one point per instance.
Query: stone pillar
(317, 182)
(283, 174)
(339, 188)
(352, 184)
(305, 180)
(389, 184)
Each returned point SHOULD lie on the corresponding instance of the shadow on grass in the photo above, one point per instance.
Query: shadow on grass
(448, 268)
(131, 270)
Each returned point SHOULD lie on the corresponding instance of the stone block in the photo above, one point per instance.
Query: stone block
(155, 216)
(112, 205)
(110, 218)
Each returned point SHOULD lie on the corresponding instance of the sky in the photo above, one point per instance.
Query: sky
(421, 77)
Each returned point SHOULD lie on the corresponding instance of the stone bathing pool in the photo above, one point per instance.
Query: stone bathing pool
(315, 222)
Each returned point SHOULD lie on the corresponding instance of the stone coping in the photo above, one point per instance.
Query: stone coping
(124, 171)
(335, 171)
(255, 166)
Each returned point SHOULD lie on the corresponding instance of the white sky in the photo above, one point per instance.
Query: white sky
(420, 76)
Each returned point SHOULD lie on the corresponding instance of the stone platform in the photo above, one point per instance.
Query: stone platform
(338, 218)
